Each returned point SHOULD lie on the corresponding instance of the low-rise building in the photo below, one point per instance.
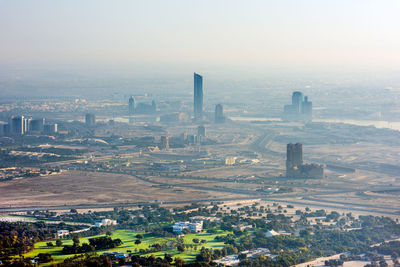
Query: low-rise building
(105, 222)
(194, 227)
(62, 233)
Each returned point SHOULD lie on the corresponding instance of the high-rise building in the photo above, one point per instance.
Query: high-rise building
(132, 106)
(18, 125)
(198, 97)
(90, 120)
(145, 108)
(307, 108)
(299, 110)
(37, 125)
(294, 158)
(295, 168)
(50, 128)
(164, 144)
(201, 131)
(219, 114)
(297, 100)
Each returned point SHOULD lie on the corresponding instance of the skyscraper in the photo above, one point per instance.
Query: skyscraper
(299, 110)
(219, 114)
(297, 100)
(295, 168)
(131, 109)
(90, 120)
(164, 142)
(294, 158)
(37, 125)
(198, 97)
(307, 108)
(18, 125)
(201, 131)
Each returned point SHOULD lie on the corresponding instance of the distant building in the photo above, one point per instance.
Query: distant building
(295, 167)
(196, 219)
(230, 160)
(105, 222)
(62, 233)
(50, 128)
(198, 97)
(271, 233)
(294, 156)
(143, 108)
(219, 114)
(195, 227)
(90, 120)
(297, 101)
(201, 131)
(131, 106)
(18, 125)
(164, 144)
(299, 110)
(37, 125)
(307, 109)
(243, 226)
(174, 117)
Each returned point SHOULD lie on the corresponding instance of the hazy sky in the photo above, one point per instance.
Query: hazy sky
(341, 34)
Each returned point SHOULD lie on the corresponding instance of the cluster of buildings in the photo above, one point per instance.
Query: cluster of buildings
(144, 108)
(233, 260)
(295, 168)
(299, 110)
(194, 227)
(105, 222)
(141, 108)
(20, 125)
(198, 102)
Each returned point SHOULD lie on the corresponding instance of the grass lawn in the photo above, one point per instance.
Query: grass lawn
(128, 238)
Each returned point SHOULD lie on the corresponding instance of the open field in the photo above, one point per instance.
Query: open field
(76, 188)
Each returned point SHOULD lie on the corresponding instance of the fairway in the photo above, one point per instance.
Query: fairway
(128, 238)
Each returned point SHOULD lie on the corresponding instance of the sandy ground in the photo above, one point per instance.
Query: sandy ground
(74, 188)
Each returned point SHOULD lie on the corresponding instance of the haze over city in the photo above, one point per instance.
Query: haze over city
(227, 40)
(199, 133)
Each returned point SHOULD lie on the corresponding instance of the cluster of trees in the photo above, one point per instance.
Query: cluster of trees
(19, 237)
(87, 260)
(97, 243)
(324, 242)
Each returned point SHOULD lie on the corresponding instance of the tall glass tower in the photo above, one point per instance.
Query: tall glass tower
(198, 97)
(297, 100)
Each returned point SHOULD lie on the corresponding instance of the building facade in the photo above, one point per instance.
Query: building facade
(198, 97)
(219, 114)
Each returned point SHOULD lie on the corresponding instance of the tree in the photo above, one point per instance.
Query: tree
(76, 240)
(196, 240)
(44, 257)
(108, 233)
(49, 244)
(59, 243)
(242, 256)
(121, 261)
(137, 241)
(139, 236)
(180, 248)
(179, 262)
